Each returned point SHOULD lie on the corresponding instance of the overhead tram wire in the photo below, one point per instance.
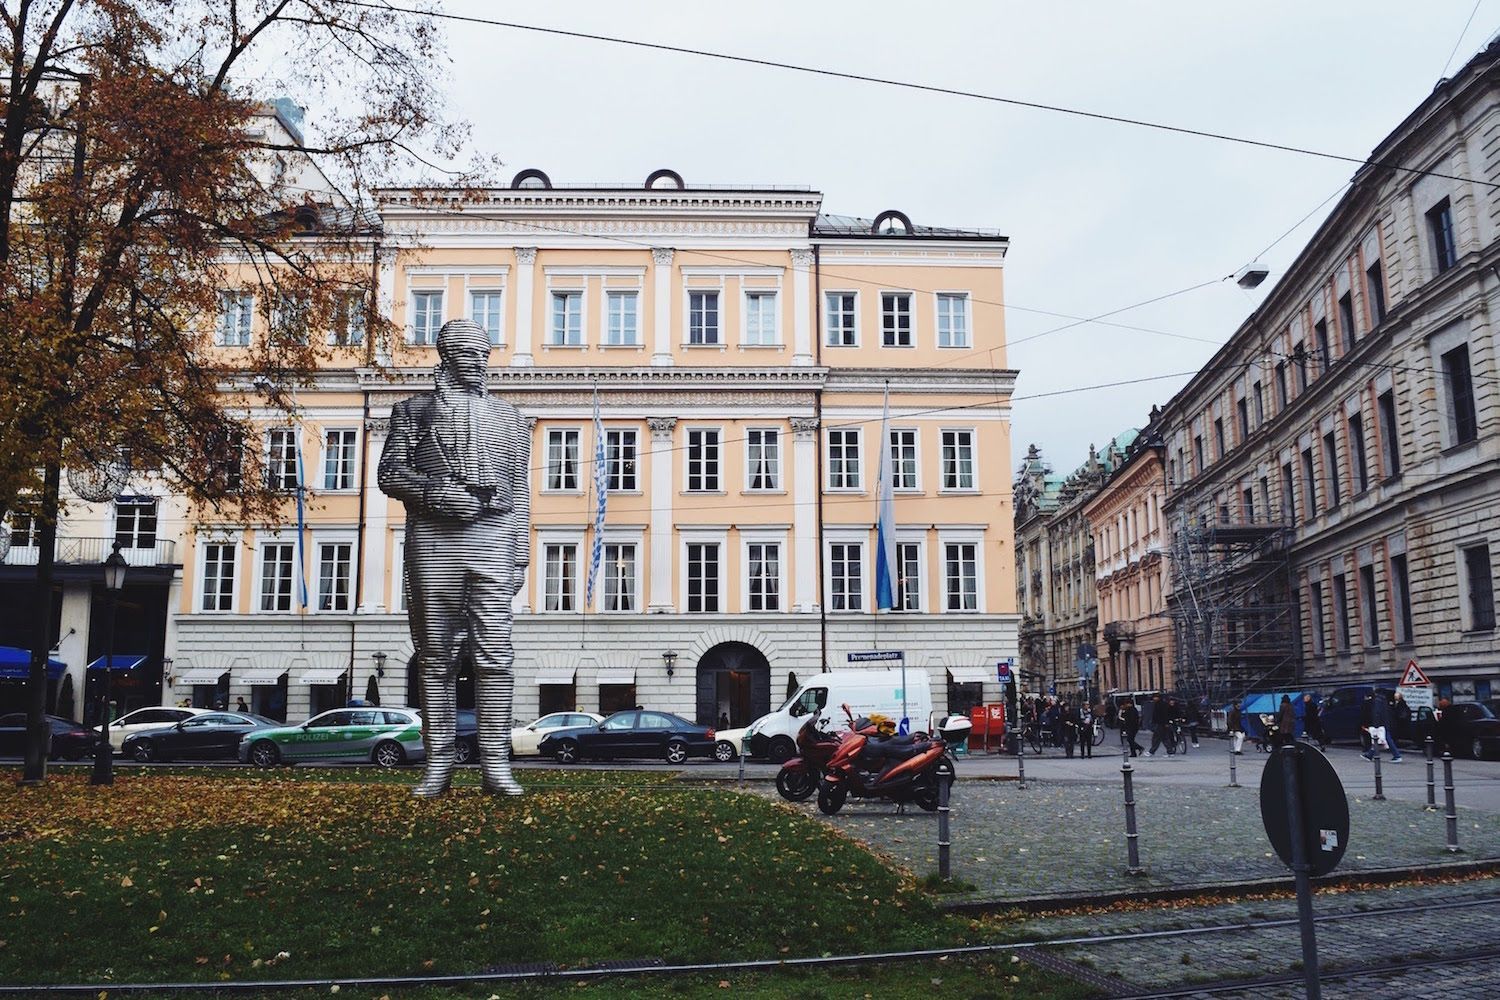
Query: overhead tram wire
(911, 85)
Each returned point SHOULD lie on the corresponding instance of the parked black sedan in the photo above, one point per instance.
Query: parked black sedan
(211, 736)
(634, 733)
(1469, 728)
(70, 741)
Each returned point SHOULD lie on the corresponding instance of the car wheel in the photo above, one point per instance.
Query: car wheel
(831, 798)
(795, 785)
(142, 751)
(567, 752)
(724, 752)
(388, 753)
(264, 753)
(782, 749)
(677, 752)
(465, 750)
(1476, 748)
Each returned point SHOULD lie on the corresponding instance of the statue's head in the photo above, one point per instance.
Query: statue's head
(465, 349)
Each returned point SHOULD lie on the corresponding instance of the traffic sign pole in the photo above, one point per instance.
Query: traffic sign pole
(1300, 868)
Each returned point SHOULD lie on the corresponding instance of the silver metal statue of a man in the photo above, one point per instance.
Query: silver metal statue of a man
(457, 458)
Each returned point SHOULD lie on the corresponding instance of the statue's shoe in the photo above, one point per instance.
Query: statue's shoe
(431, 787)
(503, 786)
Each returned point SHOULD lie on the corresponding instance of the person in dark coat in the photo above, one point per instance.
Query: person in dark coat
(1286, 721)
(1444, 729)
(1312, 724)
(1087, 720)
(1236, 726)
(1130, 725)
(1380, 729)
(1400, 721)
(1067, 726)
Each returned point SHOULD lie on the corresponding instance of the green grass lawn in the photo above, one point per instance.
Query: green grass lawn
(232, 875)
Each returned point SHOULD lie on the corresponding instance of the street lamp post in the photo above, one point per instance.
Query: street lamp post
(114, 581)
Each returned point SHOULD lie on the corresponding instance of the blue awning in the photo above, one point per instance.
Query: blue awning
(120, 661)
(15, 664)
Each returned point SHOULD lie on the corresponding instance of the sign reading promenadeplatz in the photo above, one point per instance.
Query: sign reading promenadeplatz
(878, 656)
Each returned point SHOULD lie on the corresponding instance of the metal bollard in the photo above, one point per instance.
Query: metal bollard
(742, 762)
(1431, 783)
(1452, 815)
(1234, 781)
(1020, 763)
(1132, 836)
(1379, 795)
(945, 784)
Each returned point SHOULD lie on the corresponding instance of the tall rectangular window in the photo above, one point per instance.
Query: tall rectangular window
(903, 446)
(1357, 455)
(1400, 599)
(1367, 606)
(1315, 612)
(1247, 505)
(485, 309)
(567, 320)
(1331, 467)
(703, 318)
(1220, 446)
(895, 319)
(1390, 433)
(1299, 355)
(953, 320)
(281, 458)
(1346, 321)
(562, 459)
(703, 460)
(961, 576)
(763, 455)
(1463, 426)
(1325, 349)
(1288, 495)
(841, 320)
(843, 460)
(1260, 404)
(1281, 390)
(908, 576)
(426, 317)
(1375, 290)
(1198, 463)
(1440, 229)
(958, 460)
(135, 522)
(760, 319)
(1309, 485)
(703, 577)
(560, 576)
(338, 459)
(218, 576)
(846, 576)
(1341, 613)
(1481, 587)
(335, 575)
(619, 576)
(1242, 411)
(763, 576)
(289, 319)
(236, 314)
(620, 458)
(277, 570)
(621, 328)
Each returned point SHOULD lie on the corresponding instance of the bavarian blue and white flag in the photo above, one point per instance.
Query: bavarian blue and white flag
(601, 492)
(885, 520)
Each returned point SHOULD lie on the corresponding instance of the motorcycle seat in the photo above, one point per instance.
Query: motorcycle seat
(895, 748)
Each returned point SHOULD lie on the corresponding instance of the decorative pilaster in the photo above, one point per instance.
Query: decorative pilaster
(525, 306)
(802, 262)
(661, 600)
(521, 603)
(377, 524)
(661, 306)
(385, 303)
(805, 488)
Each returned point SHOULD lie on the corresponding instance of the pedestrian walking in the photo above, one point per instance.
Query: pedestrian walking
(1236, 726)
(1286, 721)
(1067, 722)
(1444, 729)
(1312, 721)
(1130, 725)
(1380, 724)
(1148, 712)
(1400, 720)
(1199, 714)
(1087, 720)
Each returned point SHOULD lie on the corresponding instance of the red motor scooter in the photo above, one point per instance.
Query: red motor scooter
(900, 769)
(798, 777)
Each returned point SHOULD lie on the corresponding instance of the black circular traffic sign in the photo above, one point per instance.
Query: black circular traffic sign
(1325, 810)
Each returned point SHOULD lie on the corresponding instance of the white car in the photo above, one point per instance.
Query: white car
(729, 744)
(142, 719)
(524, 741)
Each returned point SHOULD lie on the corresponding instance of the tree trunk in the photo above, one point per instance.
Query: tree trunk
(37, 731)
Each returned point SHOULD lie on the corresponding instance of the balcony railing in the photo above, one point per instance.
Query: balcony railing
(86, 551)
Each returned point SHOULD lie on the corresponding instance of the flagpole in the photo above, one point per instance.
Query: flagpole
(599, 494)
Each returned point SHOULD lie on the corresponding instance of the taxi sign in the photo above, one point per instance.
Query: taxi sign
(1414, 676)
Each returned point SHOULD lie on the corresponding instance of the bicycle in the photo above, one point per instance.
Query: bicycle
(1039, 735)
(1177, 741)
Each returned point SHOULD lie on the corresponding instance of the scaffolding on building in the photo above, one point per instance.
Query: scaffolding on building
(1236, 622)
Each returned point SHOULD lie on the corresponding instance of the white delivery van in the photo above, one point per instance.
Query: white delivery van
(866, 692)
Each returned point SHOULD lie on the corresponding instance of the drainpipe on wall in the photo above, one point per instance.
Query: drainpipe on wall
(818, 414)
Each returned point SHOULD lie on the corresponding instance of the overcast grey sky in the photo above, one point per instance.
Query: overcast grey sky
(1099, 215)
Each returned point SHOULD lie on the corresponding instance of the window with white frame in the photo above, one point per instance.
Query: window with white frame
(903, 445)
(289, 319)
(843, 459)
(135, 522)
(335, 576)
(24, 529)
(619, 576)
(703, 459)
(236, 314)
(895, 319)
(281, 458)
(846, 588)
(703, 318)
(763, 576)
(702, 576)
(908, 576)
(567, 320)
(485, 309)
(958, 460)
(952, 320)
(218, 576)
(338, 459)
(620, 449)
(426, 317)
(621, 328)
(760, 319)
(560, 576)
(961, 576)
(348, 321)
(562, 459)
(842, 318)
(277, 570)
(763, 458)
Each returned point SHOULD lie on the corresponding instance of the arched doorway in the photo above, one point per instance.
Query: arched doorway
(465, 683)
(734, 680)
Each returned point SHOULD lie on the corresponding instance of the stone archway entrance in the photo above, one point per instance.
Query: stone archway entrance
(734, 679)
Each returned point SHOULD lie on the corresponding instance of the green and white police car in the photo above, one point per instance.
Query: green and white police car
(388, 737)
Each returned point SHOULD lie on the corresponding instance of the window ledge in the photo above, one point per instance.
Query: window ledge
(562, 493)
(843, 346)
(622, 347)
(565, 347)
(703, 493)
(761, 347)
(1459, 449)
(703, 347)
(1477, 632)
(846, 491)
(955, 347)
(762, 493)
(965, 491)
